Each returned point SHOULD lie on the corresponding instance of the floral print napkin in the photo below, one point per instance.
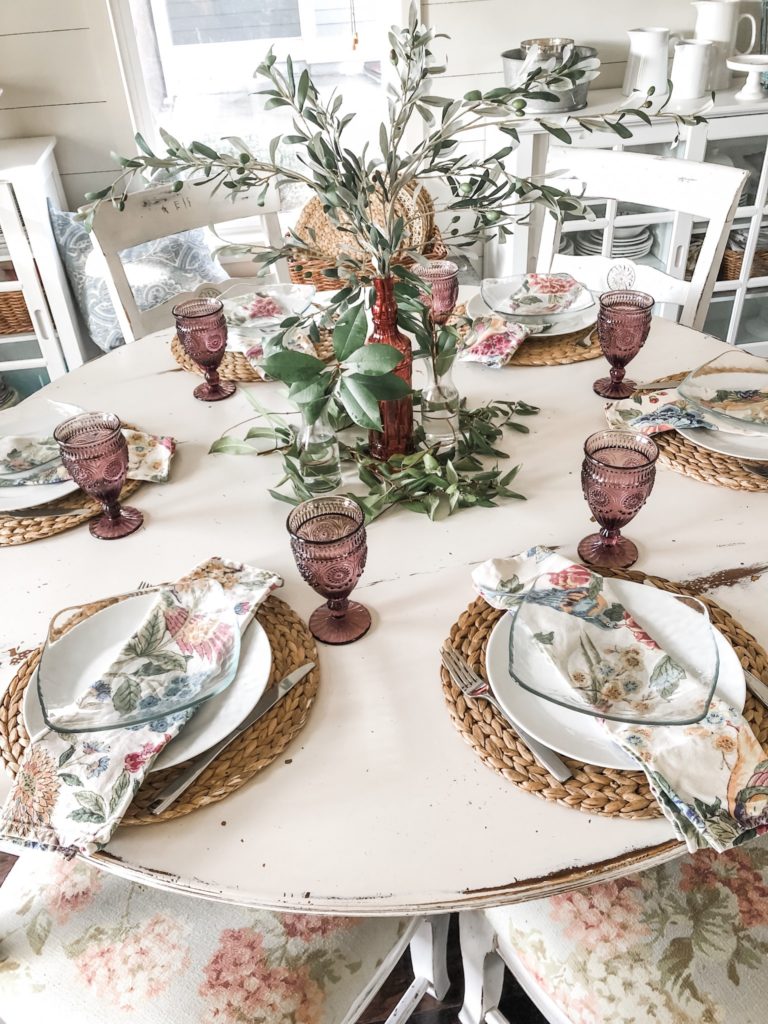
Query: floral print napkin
(544, 293)
(37, 461)
(72, 790)
(253, 343)
(492, 341)
(656, 411)
(710, 778)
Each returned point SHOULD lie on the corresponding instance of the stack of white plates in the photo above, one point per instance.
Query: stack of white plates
(631, 243)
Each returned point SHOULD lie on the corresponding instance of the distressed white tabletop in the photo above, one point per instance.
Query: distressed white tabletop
(379, 806)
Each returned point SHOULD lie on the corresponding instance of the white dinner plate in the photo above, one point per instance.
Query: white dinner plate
(570, 732)
(748, 447)
(40, 423)
(214, 718)
(476, 307)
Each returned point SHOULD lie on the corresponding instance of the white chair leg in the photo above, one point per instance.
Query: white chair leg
(429, 954)
(483, 970)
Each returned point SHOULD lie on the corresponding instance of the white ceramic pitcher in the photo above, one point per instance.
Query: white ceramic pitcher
(648, 61)
(718, 21)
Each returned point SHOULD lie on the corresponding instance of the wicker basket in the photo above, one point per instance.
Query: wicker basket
(14, 315)
(733, 260)
(415, 207)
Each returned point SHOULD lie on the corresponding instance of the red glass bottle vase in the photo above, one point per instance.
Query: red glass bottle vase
(396, 435)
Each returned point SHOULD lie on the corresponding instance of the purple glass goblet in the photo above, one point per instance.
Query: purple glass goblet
(329, 544)
(95, 454)
(202, 330)
(617, 476)
(443, 276)
(623, 323)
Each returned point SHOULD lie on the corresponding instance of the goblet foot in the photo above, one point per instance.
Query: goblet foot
(595, 551)
(345, 629)
(607, 388)
(206, 392)
(106, 528)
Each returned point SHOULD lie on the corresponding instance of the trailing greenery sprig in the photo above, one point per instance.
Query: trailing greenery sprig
(428, 481)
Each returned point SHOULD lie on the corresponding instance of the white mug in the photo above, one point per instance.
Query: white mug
(691, 69)
(648, 61)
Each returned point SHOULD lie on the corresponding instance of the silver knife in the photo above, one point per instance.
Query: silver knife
(757, 686)
(198, 765)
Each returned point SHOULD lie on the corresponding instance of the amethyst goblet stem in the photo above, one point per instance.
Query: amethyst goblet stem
(95, 454)
(328, 542)
(617, 476)
(623, 323)
(202, 331)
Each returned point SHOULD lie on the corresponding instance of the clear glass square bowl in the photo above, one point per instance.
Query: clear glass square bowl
(506, 297)
(70, 683)
(731, 392)
(656, 663)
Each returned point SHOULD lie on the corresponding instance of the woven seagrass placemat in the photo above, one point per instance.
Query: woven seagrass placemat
(292, 645)
(237, 366)
(607, 791)
(54, 517)
(552, 351)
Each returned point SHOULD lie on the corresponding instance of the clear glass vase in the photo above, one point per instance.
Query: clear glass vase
(440, 407)
(319, 461)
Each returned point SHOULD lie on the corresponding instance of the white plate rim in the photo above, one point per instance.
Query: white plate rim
(724, 442)
(27, 424)
(191, 741)
(609, 755)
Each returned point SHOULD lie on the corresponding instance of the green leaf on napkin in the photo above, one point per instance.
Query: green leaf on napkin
(544, 638)
(148, 635)
(118, 791)
(126, 696)
(160, 663)
(65, 755)
(666, 676)
(70, 780)
(91, 807)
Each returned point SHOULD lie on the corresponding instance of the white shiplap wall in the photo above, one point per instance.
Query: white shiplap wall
(481, 29)
(60, 76)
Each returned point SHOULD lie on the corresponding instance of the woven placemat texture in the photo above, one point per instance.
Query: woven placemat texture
(237, 366)
(606, 791)
(292, 646)
(50, 520)
(551, 351)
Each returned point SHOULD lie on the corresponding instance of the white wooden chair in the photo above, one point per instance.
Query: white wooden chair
(682, 943)
(81, 946)
(157, 212)
(692, 190)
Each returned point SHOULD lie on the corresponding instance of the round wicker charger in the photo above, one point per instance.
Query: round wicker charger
(607, 791)
(237, 366)
(550, 351)
(49, 519)
(292, 645)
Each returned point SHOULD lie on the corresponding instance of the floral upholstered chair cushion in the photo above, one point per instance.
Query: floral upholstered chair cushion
(685, 943)
(79, 946)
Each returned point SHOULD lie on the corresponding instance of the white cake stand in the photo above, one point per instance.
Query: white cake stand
(754, 64)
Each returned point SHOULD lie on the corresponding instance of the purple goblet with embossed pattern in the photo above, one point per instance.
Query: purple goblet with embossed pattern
(617, 476)
(443, 277)
(202, 330)
(623, 323)
(95, 454)
(329, 544)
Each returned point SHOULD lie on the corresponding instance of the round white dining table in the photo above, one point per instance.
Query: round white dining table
(379, 806)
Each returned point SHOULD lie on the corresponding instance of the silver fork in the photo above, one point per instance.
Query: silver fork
(474, 686)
